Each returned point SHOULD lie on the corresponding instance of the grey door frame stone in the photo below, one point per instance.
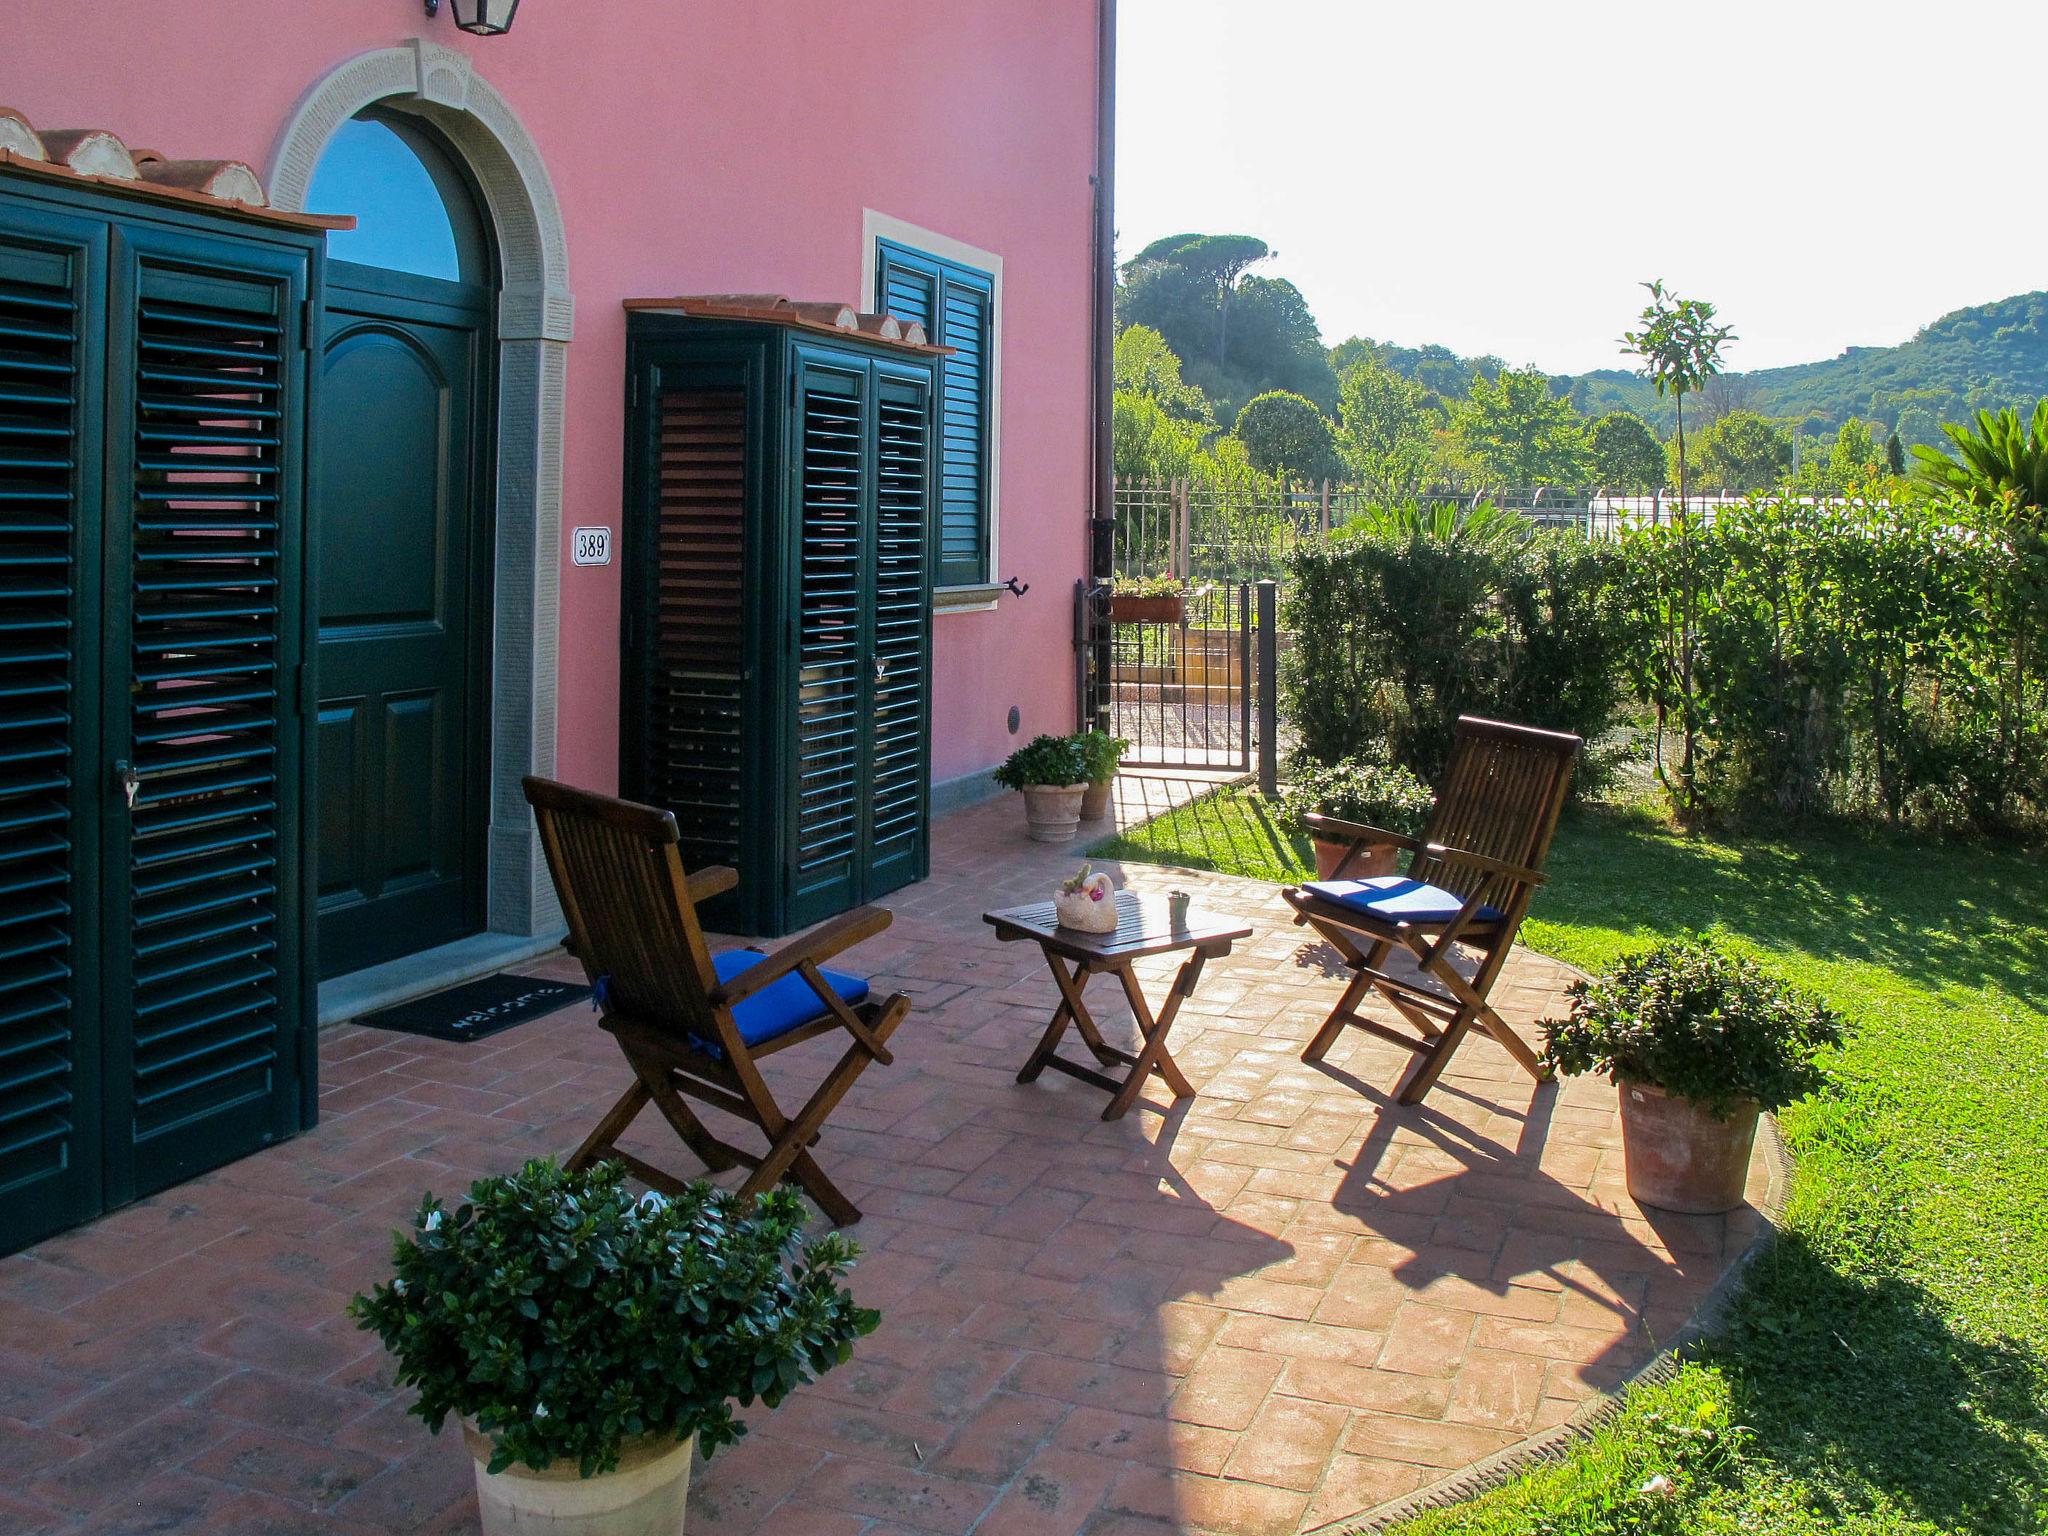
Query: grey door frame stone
(535, 321)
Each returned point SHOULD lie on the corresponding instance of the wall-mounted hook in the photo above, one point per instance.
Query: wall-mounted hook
(1017, 588)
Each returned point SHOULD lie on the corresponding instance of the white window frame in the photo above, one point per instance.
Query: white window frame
(978, 597)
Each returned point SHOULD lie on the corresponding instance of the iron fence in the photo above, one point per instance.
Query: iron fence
(1209, 533)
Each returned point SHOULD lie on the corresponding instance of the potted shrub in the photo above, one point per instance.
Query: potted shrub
(1376, 792)
(1158, 599)
(586, 1337)
(1101, 754)
(1698, 1041)
(1050, 772)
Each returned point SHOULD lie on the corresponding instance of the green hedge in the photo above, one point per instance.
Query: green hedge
(1853, 655)
(1398, 630)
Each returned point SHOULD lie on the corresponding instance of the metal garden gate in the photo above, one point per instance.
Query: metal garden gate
(1187, 690)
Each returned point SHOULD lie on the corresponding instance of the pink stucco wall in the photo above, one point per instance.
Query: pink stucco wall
(711, 146)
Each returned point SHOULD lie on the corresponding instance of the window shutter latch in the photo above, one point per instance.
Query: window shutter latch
(128, 781)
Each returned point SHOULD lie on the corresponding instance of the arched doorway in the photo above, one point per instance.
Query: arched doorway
(535, 318)
(405, 445)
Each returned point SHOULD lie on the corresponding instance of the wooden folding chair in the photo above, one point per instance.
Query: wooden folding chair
(1470, 879)
(694, 1023)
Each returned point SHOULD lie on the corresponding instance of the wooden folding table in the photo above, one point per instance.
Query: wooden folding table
(1144, 927)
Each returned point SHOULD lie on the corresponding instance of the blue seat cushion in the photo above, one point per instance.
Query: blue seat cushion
(785, 1004)
(1397, 899)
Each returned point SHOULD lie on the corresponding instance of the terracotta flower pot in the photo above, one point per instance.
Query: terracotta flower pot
(1095, 800)
(646, 1496)
(1680, 1158)
(1373, 859)
(1126, 608)
(1052, 812)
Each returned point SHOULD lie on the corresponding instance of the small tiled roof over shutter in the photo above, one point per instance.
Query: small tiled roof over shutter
(97, 157)
(779, 309)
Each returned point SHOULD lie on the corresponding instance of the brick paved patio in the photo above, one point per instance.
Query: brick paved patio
(1264, 1311)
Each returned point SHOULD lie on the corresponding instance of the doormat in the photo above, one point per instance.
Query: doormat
(478, 1009)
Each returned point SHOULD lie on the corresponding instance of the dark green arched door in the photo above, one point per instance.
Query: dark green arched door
(405, 549)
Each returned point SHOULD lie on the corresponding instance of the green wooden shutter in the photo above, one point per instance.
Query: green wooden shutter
(908, 288)
(967, 310)
(956, 306)
(210, 895)
(51, 271)
(693, 710)
(832, 491)
(900, 771)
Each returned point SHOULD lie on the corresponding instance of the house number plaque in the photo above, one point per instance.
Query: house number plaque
(592, 546)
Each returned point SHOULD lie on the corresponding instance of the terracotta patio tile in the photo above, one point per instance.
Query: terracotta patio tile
(1288, 1444)
(1497, 1390)
(995, 1444)
(1150, 1440)
(26, 1451)
(1209, 1503)
(1552, 1341)
(301, 1472)
(306, 1354)
(954, 1381)
(1361, 1297)
(1175, 1339)
(754, 1476)
(1092, 1384)
(1426, 1442)
(87, 1482)
(1225, 1390)
(800, 1514)
(416, 1490)
(1049, 1333)
(1053, 1496)
(1255, 1294)
(22, 1518)
(1355, 1483)
(915, 1498)
(1287, 1337)
(1423, 1340)
(31, 1389)
(873, 1434)
(1326, 1381)
(165, 1502)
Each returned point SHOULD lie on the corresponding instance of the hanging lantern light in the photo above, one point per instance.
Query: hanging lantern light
(486, 18)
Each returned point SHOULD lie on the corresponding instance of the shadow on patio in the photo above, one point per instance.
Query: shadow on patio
(1258, 1311)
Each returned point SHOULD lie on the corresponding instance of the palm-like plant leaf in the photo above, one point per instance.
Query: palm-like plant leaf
(2002, 459)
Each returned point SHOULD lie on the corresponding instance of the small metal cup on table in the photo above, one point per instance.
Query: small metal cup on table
(1146, 925)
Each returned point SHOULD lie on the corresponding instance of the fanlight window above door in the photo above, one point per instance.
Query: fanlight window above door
(413, 207)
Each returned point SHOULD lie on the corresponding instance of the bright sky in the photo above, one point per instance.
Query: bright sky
(1498, 175)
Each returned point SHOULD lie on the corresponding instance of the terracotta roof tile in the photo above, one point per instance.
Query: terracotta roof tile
(93, 151)
(97, 156)
(780, 309)
(18, 137)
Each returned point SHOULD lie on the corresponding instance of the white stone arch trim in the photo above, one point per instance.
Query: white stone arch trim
(442, 85)
(536, 318)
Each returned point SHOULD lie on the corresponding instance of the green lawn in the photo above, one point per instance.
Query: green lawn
(1886, 1369)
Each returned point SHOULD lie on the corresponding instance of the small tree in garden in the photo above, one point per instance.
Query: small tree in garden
(1145, 365)
(1680, 345)
(1388, 432)
(1626, 453)
(1520, 431)
(1284, 434)
(1746, 452)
